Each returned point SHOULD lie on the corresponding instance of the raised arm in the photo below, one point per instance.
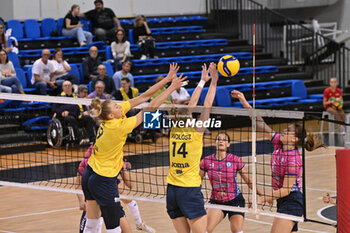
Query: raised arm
(260, 123)
(116, 20)
(174, 68)
(197, 92)
(247, 179)
(208, 102)
(175, 84)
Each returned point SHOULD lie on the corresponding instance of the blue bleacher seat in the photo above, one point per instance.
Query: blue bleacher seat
(37, 123)
(131, 37)
(86, 24)
(17, 28)
(14, 59)
(109, 68)
(109, 53)
(22, 78)
(47, 26)
(75, 71)
(31, 28)
(60, 25)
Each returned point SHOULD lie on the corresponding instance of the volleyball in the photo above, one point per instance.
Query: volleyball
(228, 66)
(338, 105)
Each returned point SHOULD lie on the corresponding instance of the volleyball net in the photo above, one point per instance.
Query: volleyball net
(41, 150)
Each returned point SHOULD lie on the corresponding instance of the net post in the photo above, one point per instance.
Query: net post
(254, 66)
(304, 168)
(254, 202)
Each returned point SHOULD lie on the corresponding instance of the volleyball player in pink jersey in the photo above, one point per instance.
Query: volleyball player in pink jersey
(286, 166)
(222, 168)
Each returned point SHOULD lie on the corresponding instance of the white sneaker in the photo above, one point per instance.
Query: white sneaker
(145, 228)
(82, 44)
(143, 57)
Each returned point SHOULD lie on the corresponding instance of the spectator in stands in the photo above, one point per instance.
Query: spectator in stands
(102, 20)
(124, 73)
(120, 49)
(99, 91)
(126, 92)
(8, 74)
(331, 95)
(108, 81)
(4, 89)
(90, 64)
(142, 37)
(43, 74)
(75, 115)
(160, 91)
(83, 91)
(3, 38)
(180, 96)
(73, 27)
(62, 69)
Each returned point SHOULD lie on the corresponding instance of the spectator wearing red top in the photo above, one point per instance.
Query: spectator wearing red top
(328, 101)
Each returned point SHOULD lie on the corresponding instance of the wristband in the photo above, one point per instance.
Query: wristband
(201, 83)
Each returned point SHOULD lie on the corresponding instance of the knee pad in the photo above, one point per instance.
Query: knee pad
(91, 225)
(111, 215)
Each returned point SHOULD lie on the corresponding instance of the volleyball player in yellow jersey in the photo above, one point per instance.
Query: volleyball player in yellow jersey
(185, 204)
(106, 161)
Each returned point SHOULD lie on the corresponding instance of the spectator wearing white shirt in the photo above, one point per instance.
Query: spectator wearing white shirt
(120, 49)
(62, 69)
(180, 96)
(124, 73)
(43, 74)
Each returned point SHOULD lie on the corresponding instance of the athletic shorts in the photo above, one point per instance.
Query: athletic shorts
(184, 202)
(238, 201)
(292, 204)
(100, 188)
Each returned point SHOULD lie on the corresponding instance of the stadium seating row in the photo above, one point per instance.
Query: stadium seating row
(107, 49)
(31, 29)
(223, 98)
(197, 74)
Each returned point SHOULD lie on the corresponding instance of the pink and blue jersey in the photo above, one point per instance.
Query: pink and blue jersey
(83, 164)
(223, 176)
(285, 163)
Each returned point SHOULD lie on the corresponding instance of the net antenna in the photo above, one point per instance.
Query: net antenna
(254, 189)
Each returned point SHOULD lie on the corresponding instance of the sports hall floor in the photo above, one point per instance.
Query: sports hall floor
(28, 210)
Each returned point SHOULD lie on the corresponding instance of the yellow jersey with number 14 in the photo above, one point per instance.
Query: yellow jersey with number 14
(107, 156)
(185, 150)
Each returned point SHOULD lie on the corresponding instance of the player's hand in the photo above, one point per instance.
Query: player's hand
(82, 206)
(261, 200)
(237, 94)
(205, 73)
(178, 82)
(326, 198)
(213, 71)
(173, 69)
(127, 165)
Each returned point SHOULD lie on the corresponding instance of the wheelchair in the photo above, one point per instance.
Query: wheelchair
(60, 132)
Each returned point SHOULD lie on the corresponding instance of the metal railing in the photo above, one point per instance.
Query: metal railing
(285, 38)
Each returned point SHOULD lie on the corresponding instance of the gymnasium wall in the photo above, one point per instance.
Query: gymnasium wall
(38, 9)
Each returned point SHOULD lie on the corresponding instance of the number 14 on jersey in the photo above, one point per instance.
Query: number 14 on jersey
(181, 150)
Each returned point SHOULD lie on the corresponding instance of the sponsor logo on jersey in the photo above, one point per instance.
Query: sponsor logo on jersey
(228, 164)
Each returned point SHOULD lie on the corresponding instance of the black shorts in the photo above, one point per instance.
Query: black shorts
(100, 188)
(184, 202)
(292, 204)
(238, 201)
